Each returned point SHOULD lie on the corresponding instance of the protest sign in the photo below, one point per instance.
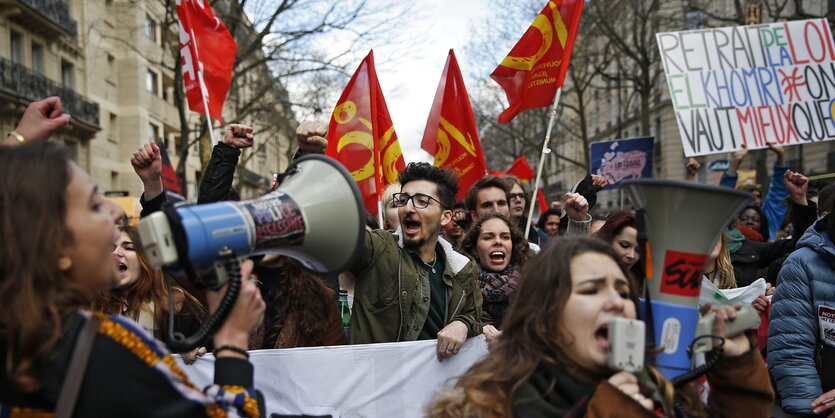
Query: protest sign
(622, 159)
(754, 85)
(366, 380)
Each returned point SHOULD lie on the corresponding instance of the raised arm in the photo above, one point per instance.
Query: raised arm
(40, 120)
(217, 182)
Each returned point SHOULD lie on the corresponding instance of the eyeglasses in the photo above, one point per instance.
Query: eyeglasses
(519, 196)
(420, 200)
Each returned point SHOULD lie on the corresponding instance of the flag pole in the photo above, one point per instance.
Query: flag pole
(202, 86)
(545, 150)
(380, 212)
(206, 104)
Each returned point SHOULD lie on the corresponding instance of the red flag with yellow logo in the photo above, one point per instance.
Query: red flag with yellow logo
(450, 133)
(536, 66)
(361, 135)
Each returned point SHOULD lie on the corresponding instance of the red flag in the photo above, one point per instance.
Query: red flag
(363, 137)
(170, 181)
(450, 134)
(543, 204)
(536, 66)
(521, 169)
(205, 44)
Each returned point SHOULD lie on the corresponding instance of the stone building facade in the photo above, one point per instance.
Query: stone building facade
(107, 61)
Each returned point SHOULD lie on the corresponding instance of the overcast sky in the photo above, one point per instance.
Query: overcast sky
(409, 78)
(410, 57)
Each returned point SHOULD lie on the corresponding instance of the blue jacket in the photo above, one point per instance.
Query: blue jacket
(806, 281)
(773, 202)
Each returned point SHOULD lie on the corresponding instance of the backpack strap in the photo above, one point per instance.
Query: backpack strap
(78, 365)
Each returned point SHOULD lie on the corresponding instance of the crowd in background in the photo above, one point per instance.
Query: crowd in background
(437, 269)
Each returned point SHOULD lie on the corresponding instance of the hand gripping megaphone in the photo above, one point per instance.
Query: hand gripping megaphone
(316, 216)
(683, 222)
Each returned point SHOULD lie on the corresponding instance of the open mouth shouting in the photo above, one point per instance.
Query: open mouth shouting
(411, 226)
(601, 337)
(498, 258)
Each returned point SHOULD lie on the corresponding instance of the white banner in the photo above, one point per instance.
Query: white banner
(368, 380)
(754, 85)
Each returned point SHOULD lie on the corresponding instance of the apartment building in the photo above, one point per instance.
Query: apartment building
(111, 64)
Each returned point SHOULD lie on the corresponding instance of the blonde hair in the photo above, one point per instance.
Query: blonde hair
(388, 193)
(724, 269)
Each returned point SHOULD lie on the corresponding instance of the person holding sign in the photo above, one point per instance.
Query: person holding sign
(772, 206)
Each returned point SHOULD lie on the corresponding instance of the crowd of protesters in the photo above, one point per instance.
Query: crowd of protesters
(72, 272)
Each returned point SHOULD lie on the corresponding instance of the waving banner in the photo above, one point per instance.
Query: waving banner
(207, 52)
(536, 66)
(361, 135)
(451, 135)
(753, 85)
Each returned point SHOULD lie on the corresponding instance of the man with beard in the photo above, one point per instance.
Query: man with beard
(411, 285)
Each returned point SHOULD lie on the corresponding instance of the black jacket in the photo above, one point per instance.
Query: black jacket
(754, 255)
(216, 184)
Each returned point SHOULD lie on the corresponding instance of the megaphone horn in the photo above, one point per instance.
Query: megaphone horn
(315, 215)
(683, 221)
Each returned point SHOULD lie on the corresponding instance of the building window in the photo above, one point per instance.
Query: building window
(72, 150)
(67, 74)
(37, 57)
(17, 47)
(111, 68)
(153, 132)
(150, 28)
(694, 19)
(152, 82)
(114, 128)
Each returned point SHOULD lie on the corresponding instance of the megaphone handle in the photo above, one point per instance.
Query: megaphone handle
(642, 261)
(176, 340)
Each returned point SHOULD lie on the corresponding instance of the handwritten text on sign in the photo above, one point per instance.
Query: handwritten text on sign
(754, 85)
(682, 273)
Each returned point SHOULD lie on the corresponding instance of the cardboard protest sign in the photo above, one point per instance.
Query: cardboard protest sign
(622, 159)
(754, 85)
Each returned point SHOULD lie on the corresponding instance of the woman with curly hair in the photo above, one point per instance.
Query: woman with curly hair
(500, 250)
(552, 359)
(302, 309)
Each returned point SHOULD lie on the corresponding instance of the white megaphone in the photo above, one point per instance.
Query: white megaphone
(316, 216)
(683, 222)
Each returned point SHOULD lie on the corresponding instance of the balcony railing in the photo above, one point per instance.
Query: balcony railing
(57, 11)
(20, 81)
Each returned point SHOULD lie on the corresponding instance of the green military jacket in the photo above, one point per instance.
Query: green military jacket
(391, 295)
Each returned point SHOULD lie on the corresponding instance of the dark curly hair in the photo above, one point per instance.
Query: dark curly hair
(301, 298)
(520, 251)
(544, 217)
(446, 180)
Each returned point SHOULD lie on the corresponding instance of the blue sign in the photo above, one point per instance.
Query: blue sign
(622, 159)
(719, 165)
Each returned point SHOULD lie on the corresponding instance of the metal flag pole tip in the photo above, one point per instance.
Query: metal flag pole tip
(545, 150)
